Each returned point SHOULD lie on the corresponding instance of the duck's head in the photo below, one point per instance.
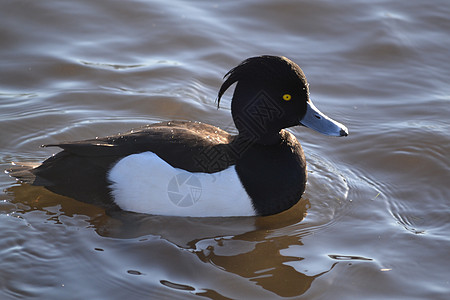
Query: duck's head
(271, 94)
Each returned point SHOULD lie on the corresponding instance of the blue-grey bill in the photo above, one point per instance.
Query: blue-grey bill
(316, 120)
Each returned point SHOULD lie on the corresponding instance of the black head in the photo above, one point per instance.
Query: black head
(271, 94)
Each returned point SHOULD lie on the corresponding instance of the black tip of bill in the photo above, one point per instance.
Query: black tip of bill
(343, 132)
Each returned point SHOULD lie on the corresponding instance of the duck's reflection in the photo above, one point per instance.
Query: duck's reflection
(260, 261)
(258, 255)
(256, 248)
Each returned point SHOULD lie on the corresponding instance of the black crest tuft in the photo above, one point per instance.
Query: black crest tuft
(263, 68)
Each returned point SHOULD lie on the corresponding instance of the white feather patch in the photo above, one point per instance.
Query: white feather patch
(145, 183)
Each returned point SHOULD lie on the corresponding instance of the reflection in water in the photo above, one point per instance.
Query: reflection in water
(246, 246)
(260, 261)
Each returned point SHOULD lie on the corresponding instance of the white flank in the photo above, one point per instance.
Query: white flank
(145, 183)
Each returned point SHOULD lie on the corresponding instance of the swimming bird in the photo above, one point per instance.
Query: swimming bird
(193, 169)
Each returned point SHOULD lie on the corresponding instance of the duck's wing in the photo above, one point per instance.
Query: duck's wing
(191, 146)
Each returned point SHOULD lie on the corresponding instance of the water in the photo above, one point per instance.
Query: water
(375, 217)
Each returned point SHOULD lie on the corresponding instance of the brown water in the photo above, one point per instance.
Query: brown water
(374, 221)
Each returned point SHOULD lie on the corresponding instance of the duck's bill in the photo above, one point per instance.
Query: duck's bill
(316, 120)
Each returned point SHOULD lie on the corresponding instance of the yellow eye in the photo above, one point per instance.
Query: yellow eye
(287, 97)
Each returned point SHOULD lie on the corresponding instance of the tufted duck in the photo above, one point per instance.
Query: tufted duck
(195, 169)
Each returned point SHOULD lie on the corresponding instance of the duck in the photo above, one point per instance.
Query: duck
(193, 169)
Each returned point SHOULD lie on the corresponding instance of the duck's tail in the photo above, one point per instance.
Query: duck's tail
(23, 171)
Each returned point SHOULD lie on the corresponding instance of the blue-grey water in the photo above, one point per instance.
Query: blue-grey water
(374, 222)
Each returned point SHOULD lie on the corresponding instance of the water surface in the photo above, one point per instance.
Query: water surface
(374, 220)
